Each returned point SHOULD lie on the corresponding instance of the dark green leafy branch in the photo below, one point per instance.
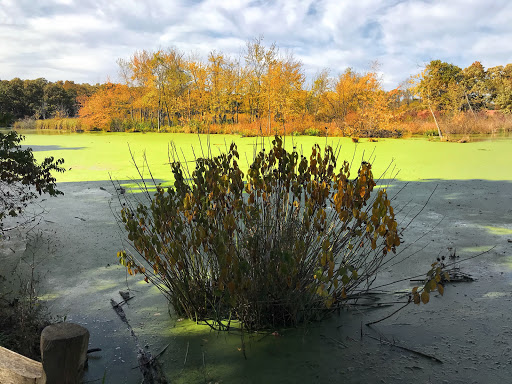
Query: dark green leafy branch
(21, 178)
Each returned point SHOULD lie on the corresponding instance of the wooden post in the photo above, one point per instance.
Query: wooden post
(18, 369)
(64, 352)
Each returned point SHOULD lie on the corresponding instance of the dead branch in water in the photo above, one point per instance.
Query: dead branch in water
(406, 348)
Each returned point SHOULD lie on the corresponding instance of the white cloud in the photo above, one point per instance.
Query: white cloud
(81, 40)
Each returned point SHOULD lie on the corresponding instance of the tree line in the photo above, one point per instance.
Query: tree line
(264, 90)
(267, 90)
(40, 99)
(446, 87)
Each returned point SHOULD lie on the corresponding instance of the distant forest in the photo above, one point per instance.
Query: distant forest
(263, 92)
(41, 99)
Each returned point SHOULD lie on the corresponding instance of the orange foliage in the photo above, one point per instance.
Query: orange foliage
(266, 96)
(110, 101)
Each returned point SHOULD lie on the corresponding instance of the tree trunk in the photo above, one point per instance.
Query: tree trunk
(64, 352)
(435, 121)
(470, 107)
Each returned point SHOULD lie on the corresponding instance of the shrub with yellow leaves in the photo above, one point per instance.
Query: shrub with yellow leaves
(286, 243)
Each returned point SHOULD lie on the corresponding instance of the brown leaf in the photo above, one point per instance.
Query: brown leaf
(425, 297)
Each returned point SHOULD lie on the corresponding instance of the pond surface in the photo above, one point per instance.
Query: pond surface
(92, 156)
(469, 328)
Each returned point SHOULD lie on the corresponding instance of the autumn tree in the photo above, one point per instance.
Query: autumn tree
(499, 80)
(285, 82)
(258, 60)
(217, 87)
(197, 90)
(438, 87)
(357, 103)
(107, 107)
(475, 87)
(316, 97)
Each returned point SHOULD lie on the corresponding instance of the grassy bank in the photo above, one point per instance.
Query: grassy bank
(64, 124)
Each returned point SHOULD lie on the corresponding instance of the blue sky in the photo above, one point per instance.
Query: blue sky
(81, 40)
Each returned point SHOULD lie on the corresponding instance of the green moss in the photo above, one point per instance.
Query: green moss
(498, 230)
(476, 249)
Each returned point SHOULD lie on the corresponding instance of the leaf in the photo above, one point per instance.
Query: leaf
(440, 289)
(414, 290)
(416, 298)
(425, 297)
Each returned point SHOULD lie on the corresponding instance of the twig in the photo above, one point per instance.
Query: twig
(123, 302)
(153, 358)
(447, 265)
(161, 352)
(186, 354)
(204, 369)
(388, 316)
(406, 349)
(336, 341)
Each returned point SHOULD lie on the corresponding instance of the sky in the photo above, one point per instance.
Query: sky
(82, 40)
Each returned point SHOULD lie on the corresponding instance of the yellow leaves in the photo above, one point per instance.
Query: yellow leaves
(321, 290)
(331, 270)
(225, 233)
(187, 202)
(425, 297)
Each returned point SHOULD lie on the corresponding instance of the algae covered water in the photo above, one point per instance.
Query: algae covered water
(92, 156)
(468, 329)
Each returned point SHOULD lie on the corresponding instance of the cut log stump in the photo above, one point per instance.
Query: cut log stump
(18, 369)
(64, 352)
